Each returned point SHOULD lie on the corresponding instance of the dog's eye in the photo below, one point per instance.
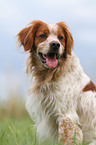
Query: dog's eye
(60, 37)
(43, 36)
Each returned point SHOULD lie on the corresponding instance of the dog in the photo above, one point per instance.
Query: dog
(62, 98)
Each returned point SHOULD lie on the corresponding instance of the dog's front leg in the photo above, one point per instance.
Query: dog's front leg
(69, 133)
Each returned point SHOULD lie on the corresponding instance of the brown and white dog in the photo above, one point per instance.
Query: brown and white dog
(62, 98)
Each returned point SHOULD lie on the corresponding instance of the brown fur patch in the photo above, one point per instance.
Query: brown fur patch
(90, 87)
(61, 33)
(68, 37)
(67, 129)
(43, 29)
(26, 37)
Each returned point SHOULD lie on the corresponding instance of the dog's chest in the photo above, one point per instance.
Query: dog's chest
(51, 103)
(57, 98)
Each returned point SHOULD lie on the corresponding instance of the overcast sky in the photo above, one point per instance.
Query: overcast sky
(79, 15)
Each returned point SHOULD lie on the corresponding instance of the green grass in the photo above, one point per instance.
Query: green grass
(16, 127)
(18, 132)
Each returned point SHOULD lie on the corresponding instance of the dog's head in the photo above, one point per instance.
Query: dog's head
(50, 42)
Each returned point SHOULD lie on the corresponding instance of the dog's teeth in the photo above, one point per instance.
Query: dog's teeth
(44, 56)
(57, 56)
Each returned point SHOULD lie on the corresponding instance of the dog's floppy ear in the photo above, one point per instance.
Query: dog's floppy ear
(68, 37)
(26, 37)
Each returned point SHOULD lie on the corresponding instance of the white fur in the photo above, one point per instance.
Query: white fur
(64, 96)
(53, 28)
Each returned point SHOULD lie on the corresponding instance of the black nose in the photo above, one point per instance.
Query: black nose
(55, 45)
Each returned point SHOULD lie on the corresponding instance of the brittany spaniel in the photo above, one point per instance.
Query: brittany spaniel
(62, 98)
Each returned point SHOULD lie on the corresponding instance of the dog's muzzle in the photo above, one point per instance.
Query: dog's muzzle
(50, 59)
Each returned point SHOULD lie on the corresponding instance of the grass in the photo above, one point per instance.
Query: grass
(18, 132)
(16, 127)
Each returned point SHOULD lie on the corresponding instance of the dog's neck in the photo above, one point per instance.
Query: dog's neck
(44, 77)
(42, 74)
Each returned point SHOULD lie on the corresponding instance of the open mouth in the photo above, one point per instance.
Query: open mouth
(50, 59)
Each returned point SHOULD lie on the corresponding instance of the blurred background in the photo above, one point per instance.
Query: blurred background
(79, 15)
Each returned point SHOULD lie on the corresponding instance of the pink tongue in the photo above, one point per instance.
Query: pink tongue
(52, 62)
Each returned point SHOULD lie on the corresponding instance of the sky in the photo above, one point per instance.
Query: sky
(79, 15)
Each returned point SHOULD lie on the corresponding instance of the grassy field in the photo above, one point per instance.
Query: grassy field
(17, 132)
(16, 127)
